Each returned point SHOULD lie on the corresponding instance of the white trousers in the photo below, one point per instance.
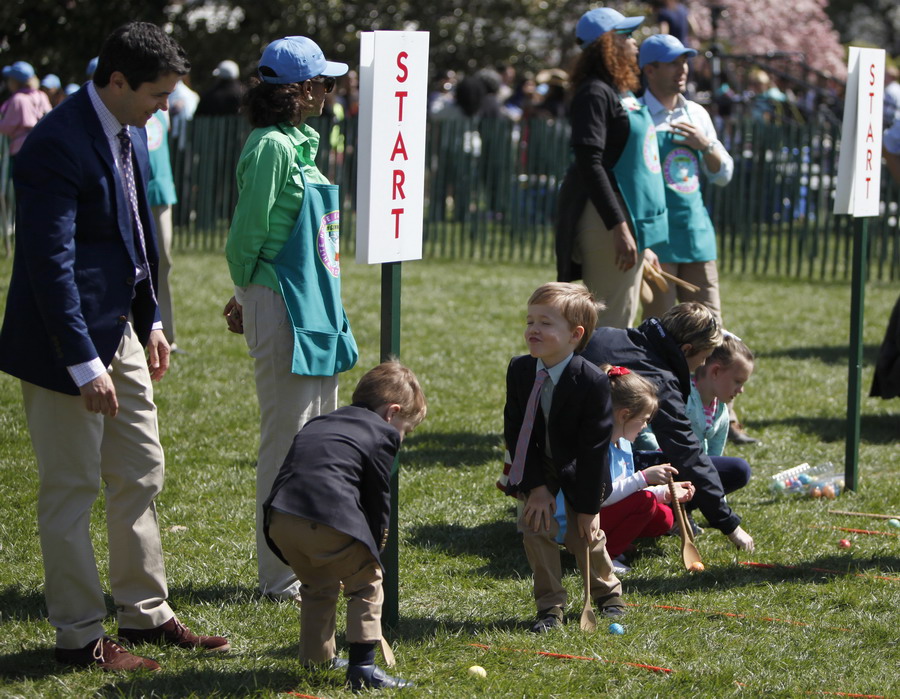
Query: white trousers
(286, 402)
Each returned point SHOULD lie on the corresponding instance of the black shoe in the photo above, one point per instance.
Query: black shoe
(373, 677)
(737, 435)
(613, 611)
(547, 619)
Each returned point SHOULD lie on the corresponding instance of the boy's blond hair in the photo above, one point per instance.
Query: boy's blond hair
(391, 382)
(726, 354)
(574, 302)
(692, 324)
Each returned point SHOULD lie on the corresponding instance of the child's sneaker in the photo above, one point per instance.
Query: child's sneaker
(618, 565)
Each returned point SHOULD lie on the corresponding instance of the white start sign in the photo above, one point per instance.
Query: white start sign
(390, 190)
(859, 163)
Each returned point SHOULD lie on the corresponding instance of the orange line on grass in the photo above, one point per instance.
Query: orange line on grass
(565, 656)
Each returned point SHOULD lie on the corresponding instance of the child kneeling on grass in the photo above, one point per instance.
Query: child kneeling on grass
(557, 424)
(715, 384)
(328, 513)
(639, 503)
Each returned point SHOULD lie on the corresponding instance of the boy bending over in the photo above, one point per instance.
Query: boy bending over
(327, 516)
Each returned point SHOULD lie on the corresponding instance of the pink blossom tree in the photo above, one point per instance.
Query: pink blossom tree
(762, 26)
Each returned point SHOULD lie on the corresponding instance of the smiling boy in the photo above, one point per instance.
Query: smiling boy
(557, 425)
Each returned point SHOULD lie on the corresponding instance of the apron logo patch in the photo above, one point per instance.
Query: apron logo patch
(651, 150)
(680, 170)
(328, 242)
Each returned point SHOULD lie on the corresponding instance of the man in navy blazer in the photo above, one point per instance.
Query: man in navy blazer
(80, 310)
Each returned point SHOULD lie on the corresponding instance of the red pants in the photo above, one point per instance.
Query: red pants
(638, 515)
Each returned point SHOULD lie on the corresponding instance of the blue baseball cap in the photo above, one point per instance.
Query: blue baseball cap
(662, 48)
(595, 22)
(295, 59)
(71, 89)
(51, 82)
(20, 70)
(92, 66)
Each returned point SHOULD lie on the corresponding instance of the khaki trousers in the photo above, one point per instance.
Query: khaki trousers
(542, 552)
(163, 216)
(323, 558)
(78, 452)
(619, 291)
(286, 403)
(702, 274)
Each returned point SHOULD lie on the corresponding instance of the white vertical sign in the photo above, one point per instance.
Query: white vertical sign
(859, 162)
(390, 190)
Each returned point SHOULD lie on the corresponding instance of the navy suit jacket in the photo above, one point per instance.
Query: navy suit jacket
(73, 280)
(580, 425)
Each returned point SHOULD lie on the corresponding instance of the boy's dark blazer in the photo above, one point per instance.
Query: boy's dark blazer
(73, 280)
(338, 473)
(580, 426)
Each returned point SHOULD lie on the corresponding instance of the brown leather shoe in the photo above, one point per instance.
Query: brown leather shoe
(737, 435)
(106, 654)
(174, 633)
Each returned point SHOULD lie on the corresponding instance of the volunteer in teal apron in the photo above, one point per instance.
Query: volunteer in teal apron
(689, 147)
(612, 202)
(283, 255)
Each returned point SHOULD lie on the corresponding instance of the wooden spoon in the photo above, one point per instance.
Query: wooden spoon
(588, 620)
(689, 553)
(387, 653)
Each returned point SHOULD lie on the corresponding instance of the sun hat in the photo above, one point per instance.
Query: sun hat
(598, 21)
(51, 82)
(295, 59)
(227, 70)
(662, 48)
(20, 70)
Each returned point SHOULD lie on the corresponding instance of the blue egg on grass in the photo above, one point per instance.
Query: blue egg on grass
(894, 523)
(616, 629)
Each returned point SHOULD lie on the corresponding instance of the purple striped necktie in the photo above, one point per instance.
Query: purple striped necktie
(518, 464)
(131, 193)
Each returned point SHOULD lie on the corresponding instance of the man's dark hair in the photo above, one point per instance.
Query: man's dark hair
(142, 52)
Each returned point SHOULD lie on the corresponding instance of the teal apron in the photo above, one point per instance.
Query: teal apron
(308, 270)
(637, 174)
(692, 237)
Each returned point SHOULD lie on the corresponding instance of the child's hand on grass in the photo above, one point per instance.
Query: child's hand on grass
(742, 539)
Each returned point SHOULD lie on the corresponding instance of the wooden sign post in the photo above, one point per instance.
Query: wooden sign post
(390, 192)
(859, 194)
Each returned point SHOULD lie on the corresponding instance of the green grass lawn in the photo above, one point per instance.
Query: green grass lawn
(465, 594)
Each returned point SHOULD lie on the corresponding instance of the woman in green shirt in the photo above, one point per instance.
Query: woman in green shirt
(283, 255)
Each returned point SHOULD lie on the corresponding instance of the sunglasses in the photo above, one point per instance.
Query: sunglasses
(328, 82)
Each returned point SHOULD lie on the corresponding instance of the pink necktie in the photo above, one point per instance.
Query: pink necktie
(518, 464)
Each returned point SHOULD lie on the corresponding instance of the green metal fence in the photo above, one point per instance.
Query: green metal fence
(491, 188)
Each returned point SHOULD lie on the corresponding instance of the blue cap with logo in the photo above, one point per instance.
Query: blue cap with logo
(295, 59)
(20, 70)
(662, 48)
(594, 23)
